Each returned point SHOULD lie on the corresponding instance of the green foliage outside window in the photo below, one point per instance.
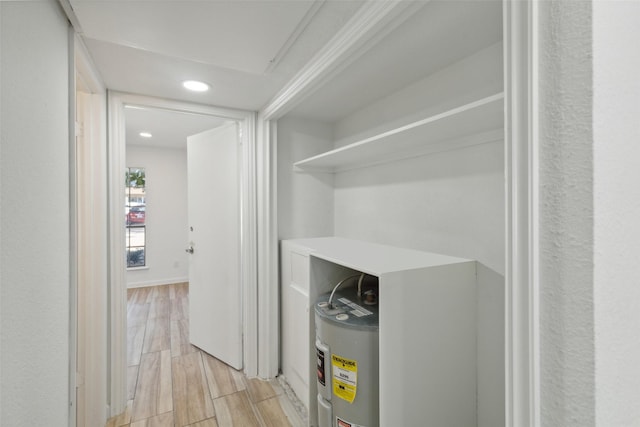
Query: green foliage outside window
(135, 177)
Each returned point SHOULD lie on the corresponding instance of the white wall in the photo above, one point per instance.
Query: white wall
(469, 79)
(589, 209)
(166, 215)
(450, 203)
(616, 147)
(566, 215)
(34, 177)
(305, 201)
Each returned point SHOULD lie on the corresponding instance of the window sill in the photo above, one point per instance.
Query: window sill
(146, 267)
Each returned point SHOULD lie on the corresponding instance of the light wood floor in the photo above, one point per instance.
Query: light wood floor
(172, 383)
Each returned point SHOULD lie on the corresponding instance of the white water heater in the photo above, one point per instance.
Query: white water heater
(347, 354)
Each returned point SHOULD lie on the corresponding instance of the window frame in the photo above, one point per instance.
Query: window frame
(137, 177)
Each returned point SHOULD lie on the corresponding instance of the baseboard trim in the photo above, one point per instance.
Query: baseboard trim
(148, 283)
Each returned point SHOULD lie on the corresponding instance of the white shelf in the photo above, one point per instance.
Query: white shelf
(373, 258)
(474, 123)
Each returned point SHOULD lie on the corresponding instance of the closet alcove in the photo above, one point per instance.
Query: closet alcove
(404, 147)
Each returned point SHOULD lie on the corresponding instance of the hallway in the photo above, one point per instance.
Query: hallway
(172, 383)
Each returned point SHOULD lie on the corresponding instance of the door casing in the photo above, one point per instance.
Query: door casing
(88, 305)
(117, 283)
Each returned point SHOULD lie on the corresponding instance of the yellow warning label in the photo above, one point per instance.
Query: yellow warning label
(345, 377)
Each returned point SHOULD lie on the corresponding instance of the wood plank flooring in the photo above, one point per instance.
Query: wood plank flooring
(174, 384)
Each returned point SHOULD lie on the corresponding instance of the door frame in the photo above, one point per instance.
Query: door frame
(88, 299)
(522, 306)
(249, 239)
(521, 53)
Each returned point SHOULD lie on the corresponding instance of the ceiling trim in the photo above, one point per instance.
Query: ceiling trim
(302, 25)
(71, 15)
(373, 21)
(181, 106)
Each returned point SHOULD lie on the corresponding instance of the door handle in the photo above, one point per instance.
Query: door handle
(189, 249)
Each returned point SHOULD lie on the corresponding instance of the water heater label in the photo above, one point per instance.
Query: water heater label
(345, 377)
(320, 355)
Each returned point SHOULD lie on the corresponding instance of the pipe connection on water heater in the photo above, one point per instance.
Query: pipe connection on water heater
(341, 282)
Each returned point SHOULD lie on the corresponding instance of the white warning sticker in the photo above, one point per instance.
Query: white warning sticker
(345, 375)
(363, 311)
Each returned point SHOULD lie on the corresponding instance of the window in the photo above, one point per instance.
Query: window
(135, 217)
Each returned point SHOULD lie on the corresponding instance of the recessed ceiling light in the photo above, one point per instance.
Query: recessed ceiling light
(145, 134)
(195, 85)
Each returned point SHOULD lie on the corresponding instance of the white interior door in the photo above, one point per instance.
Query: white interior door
(215, 310)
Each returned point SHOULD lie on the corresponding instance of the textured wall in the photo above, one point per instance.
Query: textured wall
(616, 114)
(566, 215)
(34, 113)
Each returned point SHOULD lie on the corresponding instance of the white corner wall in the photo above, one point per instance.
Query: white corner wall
(450, 203)
(305, 201)
(464, 81)
(616, 140)
(566, 215)
(166, 215)
(34, 209)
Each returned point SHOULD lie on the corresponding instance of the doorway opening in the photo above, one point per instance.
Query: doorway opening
(167, 260)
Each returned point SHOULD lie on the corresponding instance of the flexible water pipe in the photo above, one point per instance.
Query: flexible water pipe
(340, 283)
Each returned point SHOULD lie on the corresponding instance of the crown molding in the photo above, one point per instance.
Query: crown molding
(374, 20)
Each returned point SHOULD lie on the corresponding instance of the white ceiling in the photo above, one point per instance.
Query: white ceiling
(169, 129)
(245, 49)
(234, 35)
